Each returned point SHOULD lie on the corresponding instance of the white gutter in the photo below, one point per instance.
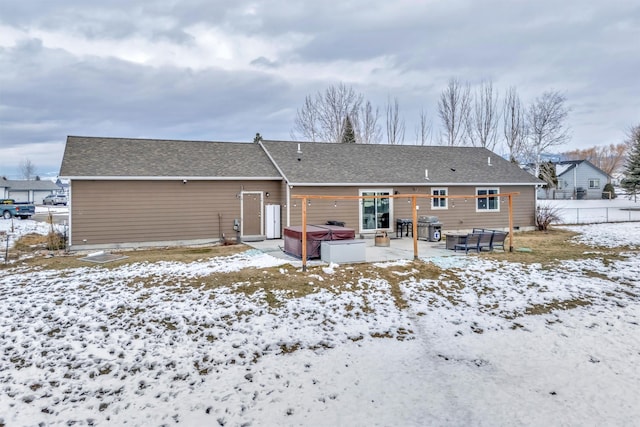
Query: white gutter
(288, 202)
(407, 184)
(173, 178)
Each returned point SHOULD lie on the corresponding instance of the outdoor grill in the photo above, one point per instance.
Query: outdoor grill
(429, 228)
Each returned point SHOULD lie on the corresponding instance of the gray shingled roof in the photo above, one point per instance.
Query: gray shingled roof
(126, 157)
(571, 164)
(328, 163)
(320, 163)
(25, 185)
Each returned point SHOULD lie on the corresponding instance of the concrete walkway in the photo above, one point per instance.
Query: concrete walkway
(398, 249)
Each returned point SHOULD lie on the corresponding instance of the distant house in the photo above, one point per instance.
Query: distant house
(147, 192)
(63, 186)
(577, 179)
(27, 190)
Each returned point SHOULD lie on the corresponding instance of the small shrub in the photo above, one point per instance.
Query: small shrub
(609, 192)
(56, 241)
(32, 242)
(545, 216)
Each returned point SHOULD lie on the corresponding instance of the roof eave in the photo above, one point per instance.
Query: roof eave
(409, 184)
(172, 178)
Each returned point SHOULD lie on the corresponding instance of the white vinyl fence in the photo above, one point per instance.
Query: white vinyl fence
(594, 211)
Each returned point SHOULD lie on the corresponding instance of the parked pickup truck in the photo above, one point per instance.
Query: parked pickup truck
(9, 208)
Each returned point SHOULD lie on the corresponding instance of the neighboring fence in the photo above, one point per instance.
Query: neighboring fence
(593, 215)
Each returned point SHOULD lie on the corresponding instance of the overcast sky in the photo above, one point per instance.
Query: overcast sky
(224, 70)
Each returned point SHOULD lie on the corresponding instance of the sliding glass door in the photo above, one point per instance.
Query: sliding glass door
(375, 212)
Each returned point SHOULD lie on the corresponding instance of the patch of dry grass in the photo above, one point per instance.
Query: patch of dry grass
(295, 283)
(548, 248)
(61, 260)
(555, 305)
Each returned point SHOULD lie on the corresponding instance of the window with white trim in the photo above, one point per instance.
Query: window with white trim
(439, 202)
(594, 183)
(488, 203)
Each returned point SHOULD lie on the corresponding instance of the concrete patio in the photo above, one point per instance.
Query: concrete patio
(398, 249)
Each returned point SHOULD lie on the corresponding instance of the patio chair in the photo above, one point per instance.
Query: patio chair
(498, 239)
(486, 240)
(470, 241)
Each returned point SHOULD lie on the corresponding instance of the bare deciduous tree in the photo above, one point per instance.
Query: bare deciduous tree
(483, 117)
(27, 169)
(366, 125)
(609, 158)
(306, 122)
(549, 176)
(546, 122)
(395, 125)
(514, 125)
(453, 109)
(322, 117)
(423, 129)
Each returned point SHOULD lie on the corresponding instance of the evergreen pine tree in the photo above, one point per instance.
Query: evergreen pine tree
(631, 181)
(348, 135)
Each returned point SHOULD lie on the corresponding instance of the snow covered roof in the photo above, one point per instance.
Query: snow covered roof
(31, 184)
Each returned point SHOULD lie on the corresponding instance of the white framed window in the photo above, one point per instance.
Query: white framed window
(594, 183)
(488, 203)
(439, 202)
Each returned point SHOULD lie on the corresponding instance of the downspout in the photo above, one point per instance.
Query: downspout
(70, 207)
(284, 177)
(288, 204)
(575, 182)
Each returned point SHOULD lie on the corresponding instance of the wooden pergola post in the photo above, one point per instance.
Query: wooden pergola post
(304, 233)
(510, 222)
(414, 231)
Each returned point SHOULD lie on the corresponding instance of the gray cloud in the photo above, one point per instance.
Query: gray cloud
(588, 51)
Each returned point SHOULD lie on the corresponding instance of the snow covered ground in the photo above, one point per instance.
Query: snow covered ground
(18, 227)
(485, 344)
(592, 211)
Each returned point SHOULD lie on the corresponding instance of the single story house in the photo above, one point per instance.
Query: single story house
(577, 179)
(32, 191)
(149, 192)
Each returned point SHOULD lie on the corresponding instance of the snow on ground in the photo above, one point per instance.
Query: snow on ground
(591, 211)
(488, 343)
(19, 227)
(609, 236)
(54, 210)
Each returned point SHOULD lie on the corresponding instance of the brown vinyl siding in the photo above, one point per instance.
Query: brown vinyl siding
(118, 212)
(460, 215)
(320, 211)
